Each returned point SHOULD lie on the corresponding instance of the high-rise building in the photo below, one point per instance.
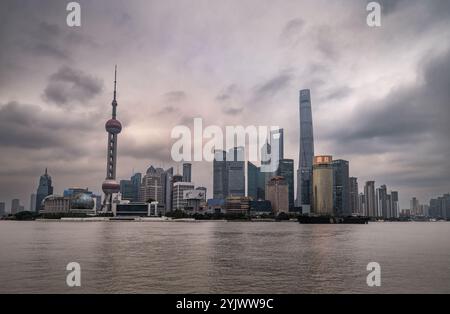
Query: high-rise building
(382, 205)
(2, 209)
(395, 206)
(15, 206)
(44, 189)
(277, 192)
(126, 189)
(354, 201)
(415, 206)
(229, 173)
(277, 142)
(306, 152)
(362, 204)
(286, 170)
(262, 180)
(323, 185)
(187, 172)
(252, 181)
(179, 201)
(370, 202)
(153, 186)
(341, 187)
(113, 126)
(169, 181)
(32, 202)
(388, 214)
(130, 188)
(220, 175)
(235, 167)
(440, 207)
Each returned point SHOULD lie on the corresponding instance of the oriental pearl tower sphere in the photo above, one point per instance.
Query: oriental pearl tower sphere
(110, 186)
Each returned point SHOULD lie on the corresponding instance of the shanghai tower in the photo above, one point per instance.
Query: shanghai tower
(306, 154)
(113, 127)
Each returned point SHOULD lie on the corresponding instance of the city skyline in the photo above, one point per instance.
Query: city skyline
(364, 119)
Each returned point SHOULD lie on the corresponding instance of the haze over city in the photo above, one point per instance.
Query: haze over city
(379, 95)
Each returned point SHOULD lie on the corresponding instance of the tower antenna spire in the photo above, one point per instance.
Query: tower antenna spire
(115, 81)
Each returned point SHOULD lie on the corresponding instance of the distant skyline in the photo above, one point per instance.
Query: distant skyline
(380, 96)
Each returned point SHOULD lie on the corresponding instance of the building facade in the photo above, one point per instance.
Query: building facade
(179, 201)
(286, 170)
(370, 200)
(277, 192)
(187, 172)
(354, 194)
(44, 189)
(341, 187)
(323, 185)
(306, 152)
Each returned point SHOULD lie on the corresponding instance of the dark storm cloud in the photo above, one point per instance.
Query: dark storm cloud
(273, 86)
(171, 101)
(407, 112)
(175, 96)
(291, 31)
(68, 85)
(157, 149)
(338, 93)
(31, 127)
(167, 110)
(438, 8)
(44, 41)
(229, 99)
(233, 111)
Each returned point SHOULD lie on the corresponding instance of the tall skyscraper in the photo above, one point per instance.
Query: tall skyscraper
(113, 126)
(152, 187)
(286, 170)
(130, 188)
(382, 203)
(15, 206)
(187, 172)
(323, 185)
(306, 152)
(252, 181)
(341, 187)
(169, 181)
(415, 206)
(278, 194)
(388, 213)
(220, 176)
(179, 202)
(2, 209)
(395, 207)
(32, 202)
(44, 189)
(229, 173)
(362, 204)
(235, 165)
(370, 202)
(354, 206)
(277, 142)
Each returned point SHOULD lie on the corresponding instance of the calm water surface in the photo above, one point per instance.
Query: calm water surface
(223, 257)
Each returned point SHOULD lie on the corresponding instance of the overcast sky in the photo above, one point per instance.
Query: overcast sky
(380, 96)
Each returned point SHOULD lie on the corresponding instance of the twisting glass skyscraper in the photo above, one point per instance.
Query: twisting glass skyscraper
(306, 154)
(113, 127)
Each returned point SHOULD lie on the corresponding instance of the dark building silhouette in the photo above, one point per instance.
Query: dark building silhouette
(341, 187)
(44, 189)
(187, 172)
(306, 152)
(286, 170)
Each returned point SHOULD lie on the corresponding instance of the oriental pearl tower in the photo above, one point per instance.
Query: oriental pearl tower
(113, 127)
